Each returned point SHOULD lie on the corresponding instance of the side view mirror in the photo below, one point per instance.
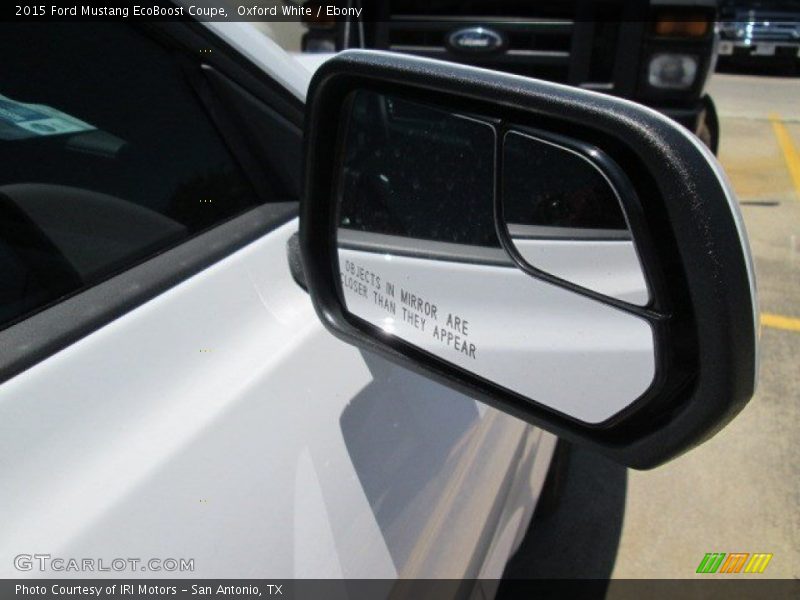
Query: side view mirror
(570, 258)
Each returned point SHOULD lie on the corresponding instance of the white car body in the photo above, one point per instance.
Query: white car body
(221, 422)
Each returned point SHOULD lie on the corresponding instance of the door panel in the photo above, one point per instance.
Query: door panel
(221, 422)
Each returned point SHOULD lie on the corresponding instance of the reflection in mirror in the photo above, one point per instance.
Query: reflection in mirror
(419, 258)
(565, 218)
(415, 171)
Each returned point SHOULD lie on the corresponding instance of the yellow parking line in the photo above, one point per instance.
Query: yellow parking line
(787, 147)
(780, 322)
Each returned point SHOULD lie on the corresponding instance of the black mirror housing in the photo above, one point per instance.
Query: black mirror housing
(679, 209)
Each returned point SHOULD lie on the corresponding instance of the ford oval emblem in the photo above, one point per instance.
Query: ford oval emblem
(475, 39)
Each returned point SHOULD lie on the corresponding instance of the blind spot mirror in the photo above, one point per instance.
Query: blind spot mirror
(565, 217)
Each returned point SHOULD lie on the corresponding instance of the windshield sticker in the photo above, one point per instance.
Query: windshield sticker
(20, 121)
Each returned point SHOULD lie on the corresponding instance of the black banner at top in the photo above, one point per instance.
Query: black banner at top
(321, 12)
(200, 10)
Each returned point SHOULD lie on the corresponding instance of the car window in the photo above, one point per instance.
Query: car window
(107, 157)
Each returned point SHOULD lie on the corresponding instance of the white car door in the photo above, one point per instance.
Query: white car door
(171, 405)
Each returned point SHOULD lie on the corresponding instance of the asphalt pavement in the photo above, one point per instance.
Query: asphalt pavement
(740, 491)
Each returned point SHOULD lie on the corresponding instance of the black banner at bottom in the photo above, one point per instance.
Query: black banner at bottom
(367, 589)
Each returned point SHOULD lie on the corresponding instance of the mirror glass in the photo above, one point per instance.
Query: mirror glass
(404, 173)
(420, 259)
(566, 218)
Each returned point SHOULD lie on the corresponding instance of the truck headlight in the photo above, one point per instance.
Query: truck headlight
(672, 71)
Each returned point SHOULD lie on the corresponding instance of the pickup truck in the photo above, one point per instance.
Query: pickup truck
(655, 52)
(171, 389)
(759, 34)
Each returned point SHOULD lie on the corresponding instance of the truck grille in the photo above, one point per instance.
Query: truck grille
(556, 40)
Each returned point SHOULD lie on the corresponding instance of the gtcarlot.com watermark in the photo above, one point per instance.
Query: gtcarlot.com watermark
(46, 563)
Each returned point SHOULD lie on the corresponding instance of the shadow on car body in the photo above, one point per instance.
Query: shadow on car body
(579, 539)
